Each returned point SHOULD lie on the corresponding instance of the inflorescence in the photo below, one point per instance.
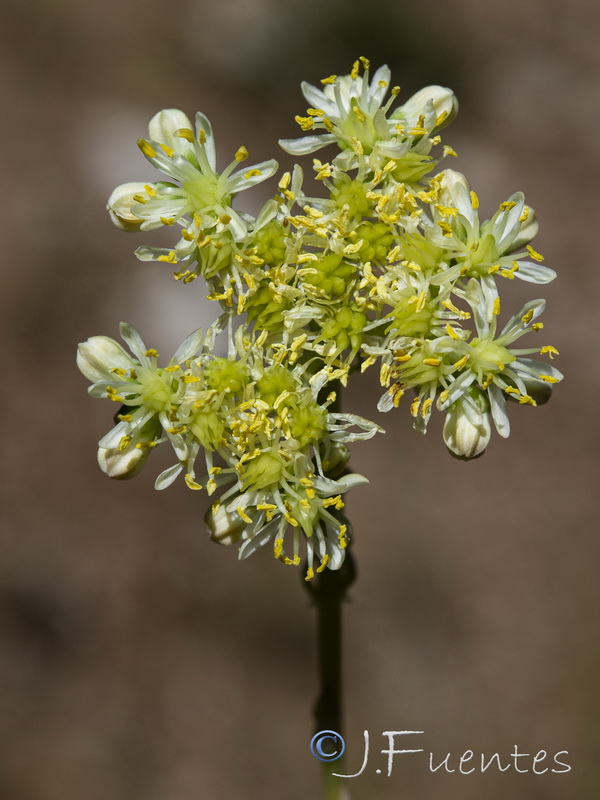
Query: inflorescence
(390, 267)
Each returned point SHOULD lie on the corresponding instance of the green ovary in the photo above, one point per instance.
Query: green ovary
(487, 356)
(208, 428)
(204, 192)
(354, 195)
(410, 322)
(309, 424)
(270, 243)
(377, 240)
(275, 381)
(263, 471)
(155, 394)
(412, 167)
(332, 274)
(417, 249)
(226, 376)
(352, 128)
(265, 310)
(346, 328)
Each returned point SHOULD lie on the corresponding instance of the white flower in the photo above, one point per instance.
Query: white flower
(487, 249)
(496, 368)
(148, 395)
(200, 199)
(351, 111)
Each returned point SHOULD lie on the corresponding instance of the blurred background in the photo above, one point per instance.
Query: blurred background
(138, 660)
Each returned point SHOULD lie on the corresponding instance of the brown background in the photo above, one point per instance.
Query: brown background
(137, 659)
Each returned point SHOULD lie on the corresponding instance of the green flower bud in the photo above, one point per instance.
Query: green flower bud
(263, 471)
(208, 428)
(225, 375)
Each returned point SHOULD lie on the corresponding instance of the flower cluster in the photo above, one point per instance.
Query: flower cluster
(388, 265)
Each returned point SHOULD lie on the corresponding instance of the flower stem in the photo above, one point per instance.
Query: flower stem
(328, 590)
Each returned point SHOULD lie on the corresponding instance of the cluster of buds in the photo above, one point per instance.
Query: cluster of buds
(388, 267)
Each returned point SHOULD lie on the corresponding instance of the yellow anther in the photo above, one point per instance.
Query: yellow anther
(462, 362)
(124, 417)
(432, 362)
(414, 406)
(451, 331)
(355, 70)
(535, 255)
(185, 133)
(444, 396)
(252, 173)
(359, 113)
(150, 189)
(113, 395)
(298, 342)
(549, 350)
(139, 198)
(243, 514)
(488, 380)
(496, 307)
(146, 148)
(241, 154)
(202, 136)
(151, 353)
(305, 123)
(526, 318)
(447, 211)
(537, 326)
(191, 483)
(167, 221)
(511, 390)
(329, 80)
(474, 200)
(189, 278)
(368, 362)
(178, 429)
(425, 407)
(310, 574)
(328, 124)
(357, 145)
(122, 373)
(395, 91)
(225, 219)
(146, 445)
(421, 300)
(507, 205)
(450, 151)
(525, 215)
(266, 507)
(190, 378)
(445, 226)
(324, 563)
(285, 180)
(170, 258)
(492, 270)
(292, 520)
(549, 378)
(124, 442)
(525, 398)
